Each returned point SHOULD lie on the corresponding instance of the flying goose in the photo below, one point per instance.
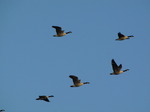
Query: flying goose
(116, 68)
(76, 81)
(123, 37)
(45, 98)
(60, 32)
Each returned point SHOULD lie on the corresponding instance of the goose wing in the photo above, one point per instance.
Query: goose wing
(120, 35)
(58, 29)
(42, 96)
(75, 79)
(119, 67)
(115, 66)
(46, 99)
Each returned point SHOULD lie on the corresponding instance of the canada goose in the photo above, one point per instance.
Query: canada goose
(45, 98)
(123, 37)
(116, 68)
(60, 32)
(2, 110)
(76, 81)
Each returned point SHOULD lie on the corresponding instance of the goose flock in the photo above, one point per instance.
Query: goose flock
(77, 82)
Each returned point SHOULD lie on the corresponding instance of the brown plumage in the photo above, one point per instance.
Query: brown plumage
(123, 37)
(45, 98)
(76, 81)
(116, 68)
(60, 32)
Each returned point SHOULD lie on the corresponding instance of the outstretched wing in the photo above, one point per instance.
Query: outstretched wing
(119, 67)
(120, 35)
(46, 99)
(58, 29)
(42, 96)
(75, 79)
(115, 66)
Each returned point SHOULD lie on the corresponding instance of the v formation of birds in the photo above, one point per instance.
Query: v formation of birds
(77, 82)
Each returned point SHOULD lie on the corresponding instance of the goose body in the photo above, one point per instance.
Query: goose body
(117, 69)
(123, 37)
(45, 98)
(76, 81)
(60, 32)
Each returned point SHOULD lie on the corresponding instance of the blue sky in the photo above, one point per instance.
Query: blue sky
(34, 63)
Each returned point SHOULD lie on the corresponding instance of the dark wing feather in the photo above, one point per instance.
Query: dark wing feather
(46, 99)
(119, 67)
(75, 79)
(42, 96)
(120, 35)
(114, 66)
(58, 29)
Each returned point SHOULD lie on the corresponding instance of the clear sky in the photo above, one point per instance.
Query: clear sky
(34, 63)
